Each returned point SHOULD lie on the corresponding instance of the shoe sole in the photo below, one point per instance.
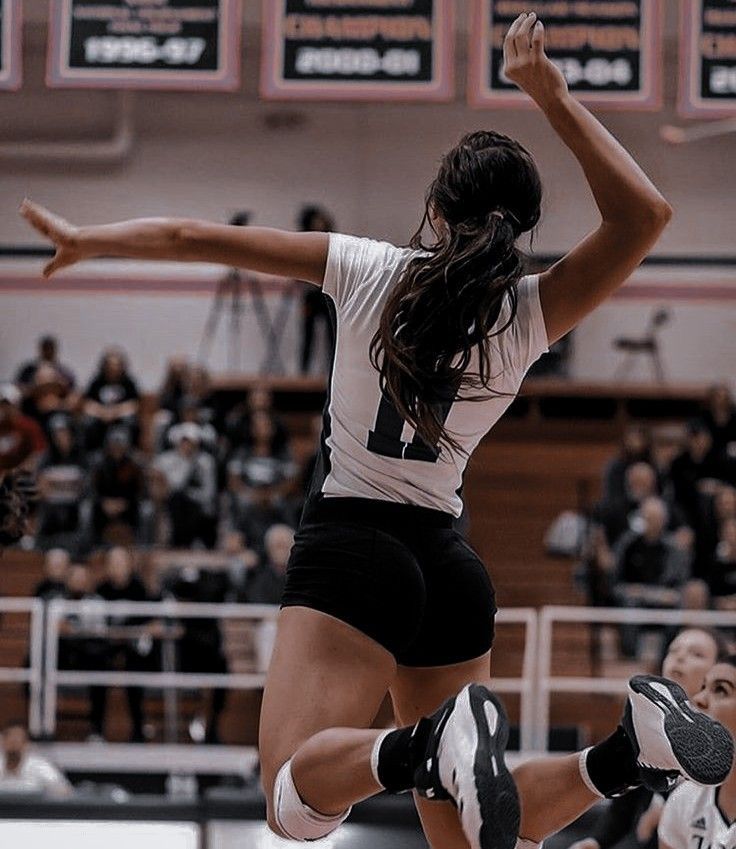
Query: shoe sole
(498, 799)
(702, 747)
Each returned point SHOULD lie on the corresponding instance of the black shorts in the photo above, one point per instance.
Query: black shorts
(398, 573)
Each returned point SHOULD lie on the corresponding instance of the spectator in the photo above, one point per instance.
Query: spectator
(111, 399)
(314, 306)
(82, 646)
(636, 447)
(48, 351)
(722, 574)
(55, 568)
(239, 424)
(255, 506)
(186, 480)
(134, 654)
(694, 471)
(650, 570)
(117, 487)
(24, 771)
(173, 388)
(241, 561)
(716, 508)
(615, 515)
(62, 484)
(21, 439)
(190, 412)
(48, 396)
(720, 419)
(200, 646)
(265, 584)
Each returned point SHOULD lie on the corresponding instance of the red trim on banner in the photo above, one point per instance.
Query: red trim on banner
(11, 78)
(714, 290)
(273, 87)
(226, 78)
(124, 285)
(650, 98)
(690, 103)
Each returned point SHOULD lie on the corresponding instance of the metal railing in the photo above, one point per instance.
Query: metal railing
(31, 675)
(535, 685)
(549, 616)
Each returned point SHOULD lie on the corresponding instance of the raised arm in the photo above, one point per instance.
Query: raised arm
(299, 255)
(633, 212)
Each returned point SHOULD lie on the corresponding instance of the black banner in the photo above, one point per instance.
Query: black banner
(609, 50)
(708, 58)
(189, 44)
(332, 49)
(11, 36)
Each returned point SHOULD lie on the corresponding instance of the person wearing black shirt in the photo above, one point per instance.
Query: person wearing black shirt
(55, 567)
(111, 399)
(62, 484)
(693, 470)
(117, 486)
(133, 654)
(200, 649)
(720, 419)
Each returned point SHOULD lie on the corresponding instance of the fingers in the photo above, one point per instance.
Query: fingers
(538, 40)
(522, 39)
(53, 266)
(521, 36)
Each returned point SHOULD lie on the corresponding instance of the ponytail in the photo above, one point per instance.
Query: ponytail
(447, 301)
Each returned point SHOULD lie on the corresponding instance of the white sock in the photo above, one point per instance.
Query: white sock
(583, 767)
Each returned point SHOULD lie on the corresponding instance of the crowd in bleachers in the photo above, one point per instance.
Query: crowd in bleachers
(663, 534)
(185, 476)
(117, 476)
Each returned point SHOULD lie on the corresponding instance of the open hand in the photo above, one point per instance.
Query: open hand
(526, 63)
(64, 235)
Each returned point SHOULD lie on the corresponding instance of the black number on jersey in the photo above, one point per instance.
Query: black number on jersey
(385, 438)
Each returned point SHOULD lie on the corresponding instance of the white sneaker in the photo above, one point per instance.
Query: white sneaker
(465, 763)
(670, 736)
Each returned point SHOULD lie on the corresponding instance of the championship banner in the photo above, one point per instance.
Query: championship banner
(610, 51)
(154, 44)
(708, 58)
(338, 50)
(11, 36)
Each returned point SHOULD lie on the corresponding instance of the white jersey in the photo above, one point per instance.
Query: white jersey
(368, 450)
(691, 819)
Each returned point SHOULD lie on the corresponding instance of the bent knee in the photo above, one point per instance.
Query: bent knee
(290, 817)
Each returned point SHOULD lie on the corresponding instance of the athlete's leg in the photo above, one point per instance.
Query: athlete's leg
(325, 685)
(417, 692)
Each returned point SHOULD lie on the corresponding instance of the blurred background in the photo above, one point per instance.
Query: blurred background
(171, 411)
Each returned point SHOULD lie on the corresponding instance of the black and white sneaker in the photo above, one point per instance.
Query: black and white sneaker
(465, 763)
(670, 736)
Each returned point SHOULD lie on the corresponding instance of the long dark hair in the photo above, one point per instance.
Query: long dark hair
(446, 302)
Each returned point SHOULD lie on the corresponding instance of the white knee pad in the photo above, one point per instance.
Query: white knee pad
(295, 819)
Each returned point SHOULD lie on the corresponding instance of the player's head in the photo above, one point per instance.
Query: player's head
(718, 696)
(487, 182)
(487, 192)
(690, 656)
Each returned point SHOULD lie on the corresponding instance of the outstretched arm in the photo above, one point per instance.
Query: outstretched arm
(633, 212)
(299, 255)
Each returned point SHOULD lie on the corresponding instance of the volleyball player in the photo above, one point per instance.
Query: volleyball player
(381, 594)
(687, 661)
(703, 817)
